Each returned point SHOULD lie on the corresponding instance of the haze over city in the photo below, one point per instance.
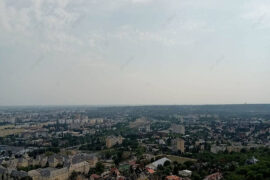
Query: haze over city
(98, 52)
(134, 90)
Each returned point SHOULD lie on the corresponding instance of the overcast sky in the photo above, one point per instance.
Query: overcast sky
(97, 52)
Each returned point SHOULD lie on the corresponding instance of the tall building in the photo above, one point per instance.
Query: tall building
(179, 145)
(147, 128)
(113, 140)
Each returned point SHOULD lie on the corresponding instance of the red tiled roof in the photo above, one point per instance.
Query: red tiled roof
(173, 177)
(95, 176)
(132, 162)
(151, 171)
(214, 176)
(115, 170)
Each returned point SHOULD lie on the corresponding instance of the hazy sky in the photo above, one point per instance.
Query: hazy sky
(134, 52)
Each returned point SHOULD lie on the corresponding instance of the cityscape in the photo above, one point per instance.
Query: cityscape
(134, 90)
(207, 142)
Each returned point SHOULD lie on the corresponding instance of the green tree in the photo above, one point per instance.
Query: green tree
(167, 163)
(99, 168)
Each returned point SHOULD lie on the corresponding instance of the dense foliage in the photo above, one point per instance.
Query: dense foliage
(234, 165)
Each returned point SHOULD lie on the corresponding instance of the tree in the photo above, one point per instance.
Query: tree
(73, 176)
(195, 176)
(99, 168)
(175, 170)
(9, 153)
(189, 163)
(167, 163)
(160, 167)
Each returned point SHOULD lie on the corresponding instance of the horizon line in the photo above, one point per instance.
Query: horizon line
(131, 105)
